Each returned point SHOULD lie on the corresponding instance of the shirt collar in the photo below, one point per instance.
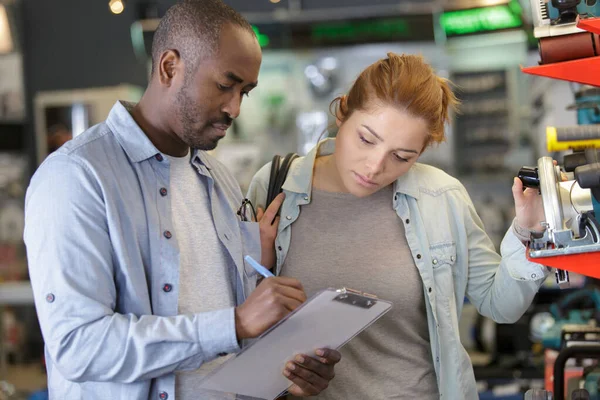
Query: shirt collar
(203, 158)
(134, 141)
(300, 175)
(130, 136)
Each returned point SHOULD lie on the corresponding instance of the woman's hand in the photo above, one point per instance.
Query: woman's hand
(268, 224)
(529, 208)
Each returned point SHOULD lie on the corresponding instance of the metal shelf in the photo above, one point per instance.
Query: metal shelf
(16, 293)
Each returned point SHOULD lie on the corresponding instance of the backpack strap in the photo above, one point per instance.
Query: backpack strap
(279, 172)
(272, 179)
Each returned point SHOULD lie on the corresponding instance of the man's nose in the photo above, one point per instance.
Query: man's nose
(232, 108)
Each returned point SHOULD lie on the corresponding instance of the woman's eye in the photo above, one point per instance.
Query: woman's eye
(401, 159)
(362, 139)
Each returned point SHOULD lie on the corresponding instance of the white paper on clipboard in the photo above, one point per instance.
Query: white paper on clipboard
(329, 319)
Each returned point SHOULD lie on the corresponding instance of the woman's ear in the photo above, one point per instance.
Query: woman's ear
(341, 110)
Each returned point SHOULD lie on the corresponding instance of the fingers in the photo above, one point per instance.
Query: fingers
(295, 296)
(563, 177)
(272, 209)
(287, 292)
(287, 281)
(305, 372)
(517, 191)
(259, 213)
(275, 222)
(295, 293)
(329, 356)
(313, 365)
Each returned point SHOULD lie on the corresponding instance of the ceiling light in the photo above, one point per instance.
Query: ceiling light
(116, 6)
(274, 1)
(6, 42)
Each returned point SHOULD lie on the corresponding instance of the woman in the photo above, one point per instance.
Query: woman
(360, 212)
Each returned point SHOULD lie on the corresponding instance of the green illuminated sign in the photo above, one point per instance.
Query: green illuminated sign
(462, 22)
(263, 40)
(383, 29)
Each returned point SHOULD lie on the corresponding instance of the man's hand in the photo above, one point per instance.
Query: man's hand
(268, 224)
(310, 376)
(272, 300)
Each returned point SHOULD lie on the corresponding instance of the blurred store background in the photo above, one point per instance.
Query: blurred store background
(64, 63)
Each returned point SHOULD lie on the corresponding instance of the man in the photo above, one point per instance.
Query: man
(134, 246)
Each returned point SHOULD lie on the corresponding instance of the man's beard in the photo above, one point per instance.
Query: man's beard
(187, 113)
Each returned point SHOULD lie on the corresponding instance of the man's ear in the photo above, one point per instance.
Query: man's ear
(170, 65)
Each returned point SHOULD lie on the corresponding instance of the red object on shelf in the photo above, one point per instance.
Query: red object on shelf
(589, 24)
(587, 264)
(584, 70)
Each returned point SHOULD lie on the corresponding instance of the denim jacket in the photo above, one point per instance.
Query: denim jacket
(454, 256)
(104, 265)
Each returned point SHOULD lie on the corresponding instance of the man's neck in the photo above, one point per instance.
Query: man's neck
(150, 118)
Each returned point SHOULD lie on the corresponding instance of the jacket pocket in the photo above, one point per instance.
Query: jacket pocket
(250, 234)
(443, 261)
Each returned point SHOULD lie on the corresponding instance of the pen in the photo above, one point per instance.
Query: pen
(259, 268)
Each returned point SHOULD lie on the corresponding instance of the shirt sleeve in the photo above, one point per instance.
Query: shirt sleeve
(502, 287)
(70, 256)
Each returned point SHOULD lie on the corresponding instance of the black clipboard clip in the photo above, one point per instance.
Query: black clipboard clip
(355, 298)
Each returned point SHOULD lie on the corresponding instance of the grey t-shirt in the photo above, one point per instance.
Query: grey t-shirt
(205, 270)
(341, 240)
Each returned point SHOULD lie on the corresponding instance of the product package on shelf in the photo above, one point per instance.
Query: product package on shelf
(13, 176)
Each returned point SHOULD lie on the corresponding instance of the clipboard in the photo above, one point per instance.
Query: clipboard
(328, 319)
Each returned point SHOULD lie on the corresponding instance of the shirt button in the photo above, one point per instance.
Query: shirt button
(430, 289)
(533, 276)
(437, 359)
(168, 234)
(163, 192)
(159, 157)
(289, 217)
(434, 261)
(407, 221)
(50, 298)
(419, 256)
(279, 248)
(306, 198)
(167, 287)
(395, 197)
(163, 395)
(452, 258)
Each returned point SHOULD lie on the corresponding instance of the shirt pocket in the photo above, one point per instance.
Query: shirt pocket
(443, 261)
(250, 234)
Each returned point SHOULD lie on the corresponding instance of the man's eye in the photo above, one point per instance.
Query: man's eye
(224, 87)
(247, 94)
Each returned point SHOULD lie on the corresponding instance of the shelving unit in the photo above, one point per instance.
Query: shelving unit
(16, 293)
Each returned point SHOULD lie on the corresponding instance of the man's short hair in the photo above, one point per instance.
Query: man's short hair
(193, 28)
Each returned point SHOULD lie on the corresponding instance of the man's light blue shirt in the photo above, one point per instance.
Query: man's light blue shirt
(104, 265)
